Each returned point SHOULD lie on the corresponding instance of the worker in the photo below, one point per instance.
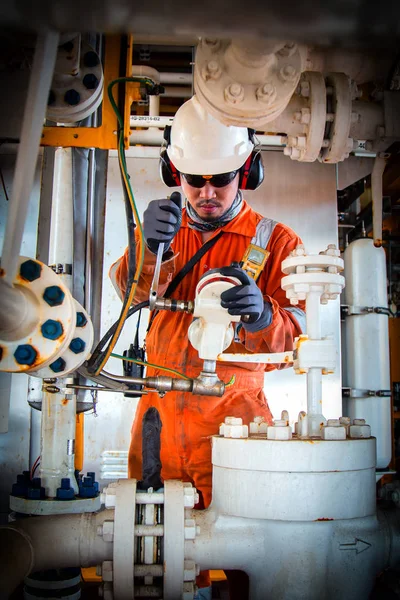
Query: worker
(212, 163)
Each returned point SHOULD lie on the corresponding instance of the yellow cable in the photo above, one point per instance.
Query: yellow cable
(147, 364)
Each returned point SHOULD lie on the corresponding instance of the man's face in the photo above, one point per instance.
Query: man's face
(211, 202)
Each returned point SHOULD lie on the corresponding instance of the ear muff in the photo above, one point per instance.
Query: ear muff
(168, 172)
(251, 174)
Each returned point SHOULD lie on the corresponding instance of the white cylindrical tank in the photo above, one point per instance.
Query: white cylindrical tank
(367, 341)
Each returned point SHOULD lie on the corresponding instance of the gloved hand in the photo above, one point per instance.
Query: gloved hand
(161, 221)
(246, 299)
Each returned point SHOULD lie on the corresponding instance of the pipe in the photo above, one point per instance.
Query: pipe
(176, 91)
(176, 78)
(143, 71)
(377, 193)
(18, 314)
(42, 543)
(34, 114)
(58, 440)
(154, 137)
(154, 105)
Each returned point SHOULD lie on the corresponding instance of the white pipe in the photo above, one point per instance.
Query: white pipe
(176, 78)
(314, 375)
(273, 358)
(62, 219)
(34, 114)
(376, 189)
(43, 543)
(143, 71)
(18, 314)
(177, 91)
(154, 105)
(313, 313)
(154, 137)
(57, 455)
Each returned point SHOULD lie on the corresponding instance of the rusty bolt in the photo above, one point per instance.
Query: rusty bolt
(25, 354)
(81, 320)
(52, 330)
(30, 270)
(234, 93)
(212, 70)
(58, 365)
(266, 93)
(304, 89)
(288, 73)
(77, 345)
(53, 295)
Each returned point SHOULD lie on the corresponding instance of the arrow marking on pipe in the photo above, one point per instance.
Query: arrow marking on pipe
(359, 546)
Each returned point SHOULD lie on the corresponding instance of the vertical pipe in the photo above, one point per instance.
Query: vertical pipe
(90, 229)
(314, 375)
(154, 106)
(34, 114)
(376, 189)
(58, 440)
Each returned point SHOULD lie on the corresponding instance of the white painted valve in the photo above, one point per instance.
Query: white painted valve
(211, 333)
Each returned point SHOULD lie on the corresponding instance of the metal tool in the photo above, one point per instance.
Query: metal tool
(176, 199)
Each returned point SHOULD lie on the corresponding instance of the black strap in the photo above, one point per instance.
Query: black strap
(189, 265)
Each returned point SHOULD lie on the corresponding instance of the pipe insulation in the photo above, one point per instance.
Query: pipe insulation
(42, 543)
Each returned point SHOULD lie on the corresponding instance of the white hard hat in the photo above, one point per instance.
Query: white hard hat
(201, 145)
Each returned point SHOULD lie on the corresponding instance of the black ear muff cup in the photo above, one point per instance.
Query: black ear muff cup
(168, 172)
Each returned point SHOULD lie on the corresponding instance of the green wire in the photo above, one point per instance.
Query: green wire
(146, 364)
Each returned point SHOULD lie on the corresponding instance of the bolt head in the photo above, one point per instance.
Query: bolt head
(211, 70)
(305, 117)
(91, 59)
(58, 365)
(211, 43)
(234, 93)
(288, 73)
(304, 89)
(52, 330)
(72, 97)
(81, 320)
(77, 345)
(25, 354)
(53, 295)
(266, 93)
(30, 270)
(90, 81)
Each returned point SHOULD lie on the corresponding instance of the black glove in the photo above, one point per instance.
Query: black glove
(161, 221)
(246, 300)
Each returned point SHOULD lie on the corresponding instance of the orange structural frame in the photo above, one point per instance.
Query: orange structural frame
(105, 136)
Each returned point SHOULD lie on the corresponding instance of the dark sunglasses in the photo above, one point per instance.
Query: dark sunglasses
(218, 181)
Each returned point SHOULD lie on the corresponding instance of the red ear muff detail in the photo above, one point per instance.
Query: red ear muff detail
(252, 172)
(168, 172)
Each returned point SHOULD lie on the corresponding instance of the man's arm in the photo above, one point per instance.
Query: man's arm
(161, 222)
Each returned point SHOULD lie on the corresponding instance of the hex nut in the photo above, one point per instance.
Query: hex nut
(53, 295)
(58, 365)
(51, 329)
(30, 270)
(91, 59)
(288, 73)
(280, 432)
(77, 345)
(108, 531)
(234, 93)
(190, 495)
(191, 530)
(266, 93)
(25, 354)
(107, 570)
(81, 319)
(333, 431)
(258, 426)
(72, 97)
(304, 89)
(90, 81)
(234, 428)
(189, 570)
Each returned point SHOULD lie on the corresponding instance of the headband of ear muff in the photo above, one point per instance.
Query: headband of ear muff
(251, 174)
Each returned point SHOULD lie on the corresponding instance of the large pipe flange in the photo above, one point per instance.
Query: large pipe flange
(307, 147)
(77, 351)
(306, 272)
(49, 332)
(77, 86)
(246, 84)
(338, 144)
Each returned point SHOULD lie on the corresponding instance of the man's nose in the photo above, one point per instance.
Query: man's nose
(207, 192)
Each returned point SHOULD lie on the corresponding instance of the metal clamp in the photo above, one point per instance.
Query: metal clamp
(347, 310)
(348, 392)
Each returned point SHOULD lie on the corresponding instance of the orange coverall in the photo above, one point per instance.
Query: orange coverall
(189, 421)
